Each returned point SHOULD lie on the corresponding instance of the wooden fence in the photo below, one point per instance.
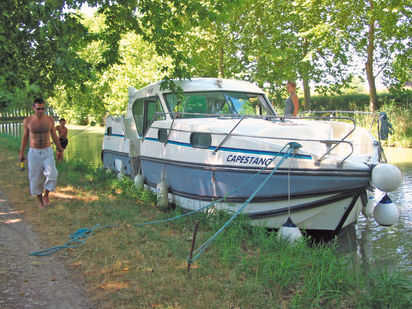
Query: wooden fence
(19, 115)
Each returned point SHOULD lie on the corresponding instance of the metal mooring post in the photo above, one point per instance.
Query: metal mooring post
(189, 263)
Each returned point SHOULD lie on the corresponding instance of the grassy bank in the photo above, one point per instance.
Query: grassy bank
(126, 266)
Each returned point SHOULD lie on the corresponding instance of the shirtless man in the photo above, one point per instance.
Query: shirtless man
(62, 132)
(42, 169)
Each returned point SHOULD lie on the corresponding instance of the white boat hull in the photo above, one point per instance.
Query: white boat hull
(321, 220)
(203, 154)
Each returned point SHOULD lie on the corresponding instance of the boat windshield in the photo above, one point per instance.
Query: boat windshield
(194, 104)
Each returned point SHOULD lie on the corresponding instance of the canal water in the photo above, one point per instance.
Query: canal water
(389, 248)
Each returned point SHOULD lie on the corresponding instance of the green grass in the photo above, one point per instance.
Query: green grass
(126, 266)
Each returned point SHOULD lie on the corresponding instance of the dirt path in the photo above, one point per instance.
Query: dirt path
(29, 281)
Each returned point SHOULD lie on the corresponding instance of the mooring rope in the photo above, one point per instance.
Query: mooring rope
(79, 237)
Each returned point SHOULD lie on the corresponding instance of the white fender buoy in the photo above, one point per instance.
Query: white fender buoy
(367, 210)
(120, 174)
(386, 213)
(290, 231)
(138, 182)
(118, 165)
(162, 196)
(386, 177)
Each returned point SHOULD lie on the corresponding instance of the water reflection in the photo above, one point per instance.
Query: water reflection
(388, 248)
(85, 143)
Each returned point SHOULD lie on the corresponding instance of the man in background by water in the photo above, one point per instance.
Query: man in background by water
(37, 130)
(62, 132)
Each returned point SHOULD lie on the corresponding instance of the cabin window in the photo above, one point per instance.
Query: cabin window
(201, 140)
(207, 104)
(162, 135)
(109, 131)
(145, 111)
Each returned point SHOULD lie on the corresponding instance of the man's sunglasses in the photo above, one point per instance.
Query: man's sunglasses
(39, 108)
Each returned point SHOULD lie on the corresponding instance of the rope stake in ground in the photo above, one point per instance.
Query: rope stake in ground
(193, 245)
(79, 237)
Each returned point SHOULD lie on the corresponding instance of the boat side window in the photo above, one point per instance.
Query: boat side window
(162, 135)
(145, 111)
(201, 140)
(198, 104)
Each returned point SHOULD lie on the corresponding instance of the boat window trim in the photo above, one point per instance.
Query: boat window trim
(145, 121)
(263, 101)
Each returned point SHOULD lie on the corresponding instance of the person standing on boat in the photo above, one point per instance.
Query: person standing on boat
(37, 130)
(62, 132)
(291, 103)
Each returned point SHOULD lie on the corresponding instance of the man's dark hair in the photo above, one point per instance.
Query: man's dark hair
(62, 119)
(38, 101)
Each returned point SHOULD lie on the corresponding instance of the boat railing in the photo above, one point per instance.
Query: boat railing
(331, 144)
(334, 113)
(374, 122)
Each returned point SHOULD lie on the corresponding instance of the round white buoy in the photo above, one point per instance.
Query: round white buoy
(386, 177)
(138, 182)
(118, 165)
(162, 196)
(290, 231)
(367, 210)
(386, 213)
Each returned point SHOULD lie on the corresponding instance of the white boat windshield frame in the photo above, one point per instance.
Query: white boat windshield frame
(217, 103)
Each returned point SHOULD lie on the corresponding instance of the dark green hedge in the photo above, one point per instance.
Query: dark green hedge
(360, 102)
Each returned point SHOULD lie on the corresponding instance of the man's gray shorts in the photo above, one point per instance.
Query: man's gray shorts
(42, 170)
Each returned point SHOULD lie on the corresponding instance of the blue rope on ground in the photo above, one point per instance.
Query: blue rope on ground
(199, 251)
(79, 237)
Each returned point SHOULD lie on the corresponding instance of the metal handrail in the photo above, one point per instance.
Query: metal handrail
(228, 135)
(271, 118)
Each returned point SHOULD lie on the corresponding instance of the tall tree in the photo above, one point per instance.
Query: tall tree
(383, 37)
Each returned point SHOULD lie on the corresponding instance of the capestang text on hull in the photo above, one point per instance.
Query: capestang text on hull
(218, 142)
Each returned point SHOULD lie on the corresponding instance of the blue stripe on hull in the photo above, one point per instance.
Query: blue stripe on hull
(204, 183)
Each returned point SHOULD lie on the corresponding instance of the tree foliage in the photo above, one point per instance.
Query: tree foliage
(382, 36)
(38, 43)
(85, 65)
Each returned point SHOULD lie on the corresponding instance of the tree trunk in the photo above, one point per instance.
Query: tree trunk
(306, 95)
(369, 63)
(306, 88)
(221, 66)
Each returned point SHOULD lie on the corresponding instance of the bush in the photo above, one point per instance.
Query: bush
(359, 102)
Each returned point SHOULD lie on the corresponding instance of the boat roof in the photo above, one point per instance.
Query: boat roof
(199, 84)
